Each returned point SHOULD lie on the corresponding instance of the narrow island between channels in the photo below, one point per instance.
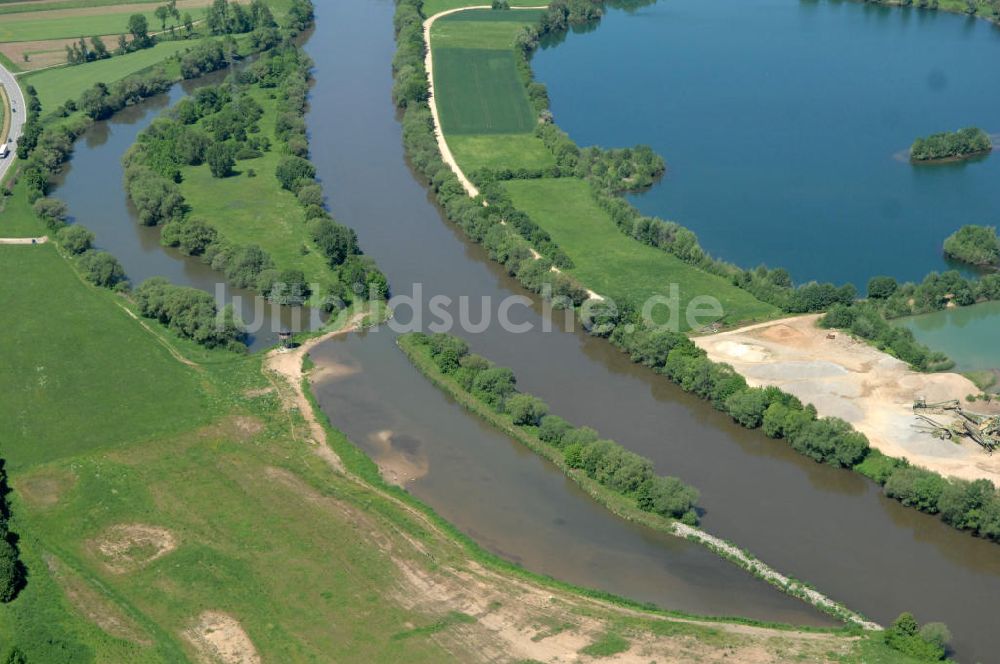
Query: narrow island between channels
(951, 146)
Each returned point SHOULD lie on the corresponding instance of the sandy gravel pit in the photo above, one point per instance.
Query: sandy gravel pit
(846, 378)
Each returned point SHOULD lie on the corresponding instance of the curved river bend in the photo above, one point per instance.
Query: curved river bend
(829, 527)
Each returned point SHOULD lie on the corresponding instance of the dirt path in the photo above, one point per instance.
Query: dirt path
(287, 365)
(24, 240)
(844, 377)
(446, 154)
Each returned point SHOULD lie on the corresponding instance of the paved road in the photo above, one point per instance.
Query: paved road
(16, 117)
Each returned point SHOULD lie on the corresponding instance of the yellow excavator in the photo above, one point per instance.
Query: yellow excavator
(984, 429)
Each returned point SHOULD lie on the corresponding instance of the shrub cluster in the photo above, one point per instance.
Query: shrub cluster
(926, 644)
(101, 101)
(52, 147)
(950, 144)
(32, 129)
(977, 245)
(79, 53)
(191, 313)
(966, 505)
(208, 56)
(604, 461)
(864, 320)
(13, 574)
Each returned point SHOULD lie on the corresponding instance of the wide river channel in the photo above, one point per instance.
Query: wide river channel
(829, 527)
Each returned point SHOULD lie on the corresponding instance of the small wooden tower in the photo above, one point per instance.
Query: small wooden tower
(285, 336)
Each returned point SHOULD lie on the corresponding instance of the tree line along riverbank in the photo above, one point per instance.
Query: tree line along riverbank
(826, 440)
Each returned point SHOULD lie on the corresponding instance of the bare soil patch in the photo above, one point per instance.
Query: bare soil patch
(218, 638)
(130, 546)
(95, 606)
(45, 488)
(844, 377)
(44, 52)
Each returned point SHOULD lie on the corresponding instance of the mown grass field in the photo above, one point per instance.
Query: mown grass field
(55, 24)
(16, 217)
(479, 92)
(615, 265)
(432, 7)
(256, 210)
(79, 374)
(475, 151)
(485, 113)
(492, 29)
(56, 85)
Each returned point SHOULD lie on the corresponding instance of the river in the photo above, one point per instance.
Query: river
(829, 527)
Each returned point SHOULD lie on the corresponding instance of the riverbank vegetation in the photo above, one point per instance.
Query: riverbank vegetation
(579, 451)
(976, 245)
(951, 145)
(778, 415)
(987, 9)
(226, 172)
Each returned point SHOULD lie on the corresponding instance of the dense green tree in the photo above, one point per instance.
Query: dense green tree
(101, 268)
(447, 351)
(552, 429)
(881, 288)
(294, 172)
(139, 29)
(221, 158)
(526, 410)
(192, 236)
(494, 385)
(76, 239)
(916, 487)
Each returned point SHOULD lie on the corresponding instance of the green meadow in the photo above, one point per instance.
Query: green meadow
(56, 85)
(256, 210)
(615, 265)
(491, 29)
(79, 373)
(475, 151)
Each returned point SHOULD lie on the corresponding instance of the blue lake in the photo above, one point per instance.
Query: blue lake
(782, 123)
